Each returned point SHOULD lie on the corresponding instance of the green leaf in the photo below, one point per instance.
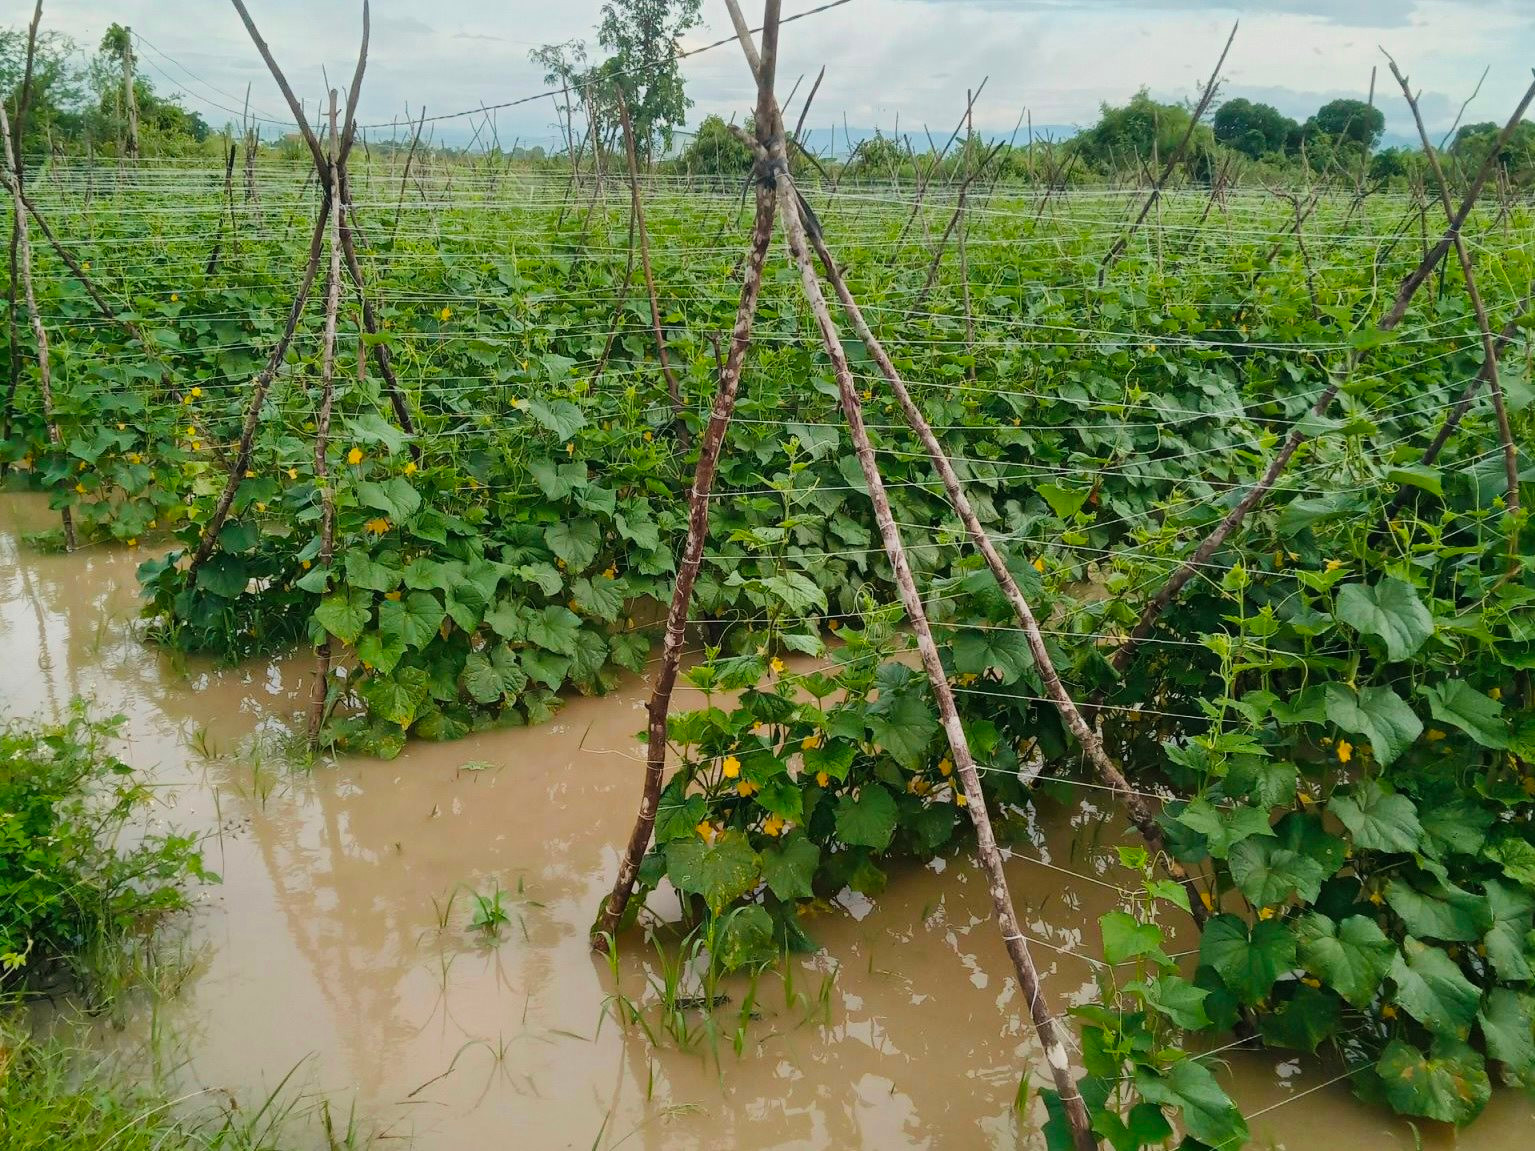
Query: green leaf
(546, 576)
(364, 571)
(557, 481)
(561, 417)
(1517, 858)
(746, 938)
(1508, 940)
(345, 614)
(574, 541)
(1352, 956)
(1378, 714)
(396, 698)
(1458, 704)
(1456, 825)
(1170, 890)
(372, 428)
(545, 667)
(721, 872)
(817, 439)
(868, 820)
(1309, 1016)
(1431, 988)
(380, 652)
(482, 680)
(1450, 1084)
(1248, 962)
(630, 649)
(396, 498)
(797, 592)
(790, 867)
(1064, 502)
(1443, 912)
(901, 719)
(412, 619)
(554, 628)
(1378, 819)
(834, 758)
(1418, 476)
(1224, 828)
(1126, 938)
(599, 597)
(1506, 1021)
(1188, 1086)
(224, 575)
(1391, 611)
(1298, 858)
(981, 651)
(1176, 998)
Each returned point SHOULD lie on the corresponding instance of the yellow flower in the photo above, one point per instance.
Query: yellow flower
(445, 314)
(959, 798)
(175, 297)
(1345, 751)
(731, 767)
(570, 449)
(1265, 913)
(191, 431)
(197, 393)
(834, 624)
(822, 779)
(610, 572)
(394, 595)
(378, 525)
(354, 456)
(1334, 565)
(1388, 1012)
(135, 458)
(758, 728)
(85, 265)
(776, 664)
(811, 741)
(1433, 735)
(1039, 564)
(773, 825)
(410, 468)
(1204, 897)
(705, 831)
(746, 788)
(133, 542)
(260, 507)
(293, 473)
(304, 564)
(945, 767)
(197, 445)
(648, 437)
(1376, 898)
(1310, 981)
(1495, 692)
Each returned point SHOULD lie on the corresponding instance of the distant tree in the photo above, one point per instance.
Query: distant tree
(716, 151)
(1346, 122)
(879, 155)
(54, 109)
(641, 38)
(1255, 130)
(1473, 141)
(1134, 132)
(565, 68)
(1394, 163)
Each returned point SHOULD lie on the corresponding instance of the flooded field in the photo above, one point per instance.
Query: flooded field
(340, 939)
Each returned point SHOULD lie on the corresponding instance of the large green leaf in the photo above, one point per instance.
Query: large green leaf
(1391, 611)
(599, 597)
(1455, 825)
(867, 820)
(1224, 828)
(1297, 858)
(1248, 962)
(1439, 910)
(1308, 1017)
(1517, 858)
(1378, 819)
(380, 573)
(413, 619)
(396, 698)
(575, 541)
(1431, 988)
(224, 575)
(1176, 998)
(561, 417)
(1508, 1026)
(901, 719)
(1458, 704)
(1508, 941)
(345, 613)
(790, 867)
(554, 629)
(721, 872)
(797, 592)
(1189, 1087)
(1352, 956)
(1449, 1084)
(1378, 714)
(1126, 938)
(396, 498)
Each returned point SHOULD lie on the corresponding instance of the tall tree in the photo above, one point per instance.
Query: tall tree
(1347, 122)
(1255, 130)
(641, 37)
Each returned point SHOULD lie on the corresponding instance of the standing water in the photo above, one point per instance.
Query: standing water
(340, 937)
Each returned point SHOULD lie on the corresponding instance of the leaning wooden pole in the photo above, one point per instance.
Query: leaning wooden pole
(321, 686)
(1484, 326)
(14, 136)
(709, 449)
(1046, 1026)
(24, 269)
(1140, 811)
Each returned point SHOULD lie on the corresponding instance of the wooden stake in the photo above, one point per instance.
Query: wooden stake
(24, 267)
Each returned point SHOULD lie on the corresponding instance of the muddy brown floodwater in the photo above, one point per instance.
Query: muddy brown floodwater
(324, 944)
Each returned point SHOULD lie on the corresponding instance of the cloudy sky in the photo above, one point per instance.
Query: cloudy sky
(884, 58)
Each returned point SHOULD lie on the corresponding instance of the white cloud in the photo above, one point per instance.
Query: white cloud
(912, 58)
